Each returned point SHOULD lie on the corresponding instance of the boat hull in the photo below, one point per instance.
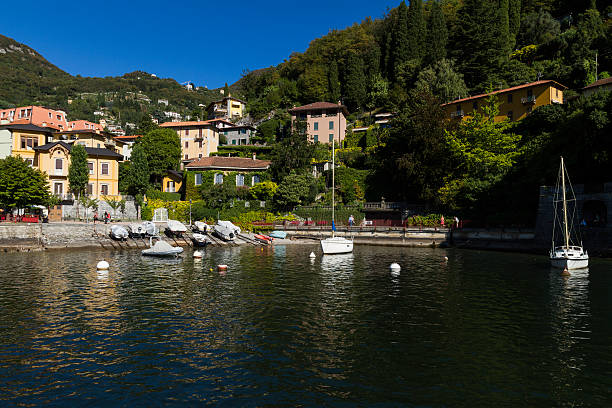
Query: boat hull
(336, 245)
(569, 263)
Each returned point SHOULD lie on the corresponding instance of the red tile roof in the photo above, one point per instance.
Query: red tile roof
(130, 137)
(319, 105)
(219, 162)
(600, 82)
(181, 124)
(514, 88)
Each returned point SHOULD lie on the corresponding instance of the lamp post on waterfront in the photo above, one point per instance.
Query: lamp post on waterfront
(190, 212)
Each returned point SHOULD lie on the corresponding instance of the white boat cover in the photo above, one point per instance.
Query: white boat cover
(176, 226)
(162, 248)
(118, 231)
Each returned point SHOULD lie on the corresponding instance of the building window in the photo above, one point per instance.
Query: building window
(170, 187)
(90, 165)
(89, 189)
(29, 142)
(331, 125)
(331, 137)
(186, 145)
(254, 180)
(510, 115)
(186, 133)
(186, 157)
(200, 132)
(104, 189)
(475, 105)
(239, 180)
(234, 141)
(58, 188)
(198, 179)
(50, 115)
(243, 131)
(30, 162)
(199, 155)
(556, 92)
(316, 126)
(59, 164)
(104, 169)
(509, 98)
(218, 178)
(316, 138)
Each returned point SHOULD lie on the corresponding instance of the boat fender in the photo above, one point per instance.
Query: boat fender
(395, 267)
(222, 267)
(197, 254)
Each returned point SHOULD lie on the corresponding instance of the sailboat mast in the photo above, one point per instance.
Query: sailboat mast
(564, 205)
(334, 181)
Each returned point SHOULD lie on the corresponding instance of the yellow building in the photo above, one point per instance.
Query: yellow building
(515, 103)
(198, 139)
(37, 146)
(91, 138)
(172, 182)
(227, 108)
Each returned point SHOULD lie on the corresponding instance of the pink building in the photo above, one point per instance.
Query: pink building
(84, 125)
(35, 115)
(325, 121)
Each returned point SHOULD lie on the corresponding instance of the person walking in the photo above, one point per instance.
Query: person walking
(95, 216)
(106, 217)
(351, 220)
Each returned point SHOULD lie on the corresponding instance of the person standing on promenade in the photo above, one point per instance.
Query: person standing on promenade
(456, 222)
(95, 216)
(442, 221)
(351, 220)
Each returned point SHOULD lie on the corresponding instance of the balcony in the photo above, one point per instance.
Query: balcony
(457, 114)
(528, 100)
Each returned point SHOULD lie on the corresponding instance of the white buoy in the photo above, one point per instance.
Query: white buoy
(312, 255)
(446, 258)
(102, 265)
(395, 267)
(222, 267)
(197, 254)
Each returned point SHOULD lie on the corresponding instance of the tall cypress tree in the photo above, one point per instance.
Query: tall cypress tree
(504, 29)
(437, 35)
(399, 40)
(334, 82)
(355, 91)
(514, 17)
(417, 30)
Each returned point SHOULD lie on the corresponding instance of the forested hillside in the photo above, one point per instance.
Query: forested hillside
(453, 47)
(28, 78)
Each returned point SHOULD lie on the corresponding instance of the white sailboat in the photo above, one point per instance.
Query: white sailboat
(335, 245)
(568, 255)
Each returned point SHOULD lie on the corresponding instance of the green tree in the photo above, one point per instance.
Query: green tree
(379, 92)
(514, 20)
(437, 35)
(146, 124)
(504, 39)
(334, 82)
(442, 80)
(417, 30)
(292, 153)
(399, 51)
(538, 28)
(263, 191)
(162, 148)
(78, 171)
(355, 84)
(113, 203)
(293, 190)
(137, 177)
(484, 151)
(21, 185)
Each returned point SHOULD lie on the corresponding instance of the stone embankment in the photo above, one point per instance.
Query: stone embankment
(33, 237)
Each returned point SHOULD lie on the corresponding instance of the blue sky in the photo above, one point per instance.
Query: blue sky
(207, 42)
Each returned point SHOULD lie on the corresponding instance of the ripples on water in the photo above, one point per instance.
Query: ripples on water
(277, 328)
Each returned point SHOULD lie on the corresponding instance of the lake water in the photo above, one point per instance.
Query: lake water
(277, 329)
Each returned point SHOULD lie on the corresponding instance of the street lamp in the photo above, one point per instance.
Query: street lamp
(190, 212)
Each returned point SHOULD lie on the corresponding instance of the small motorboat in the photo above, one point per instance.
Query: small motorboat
(226, 230)
(119, 233)
(151, 229)
(137, 230)
(200, 240)
(175, 228)
(201, 227)
(278, 234)
(162, 248)
(264, 239)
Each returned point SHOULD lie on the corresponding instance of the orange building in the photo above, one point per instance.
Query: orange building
(325, 121)
(34, 115)
(515, 103)
(84, 125)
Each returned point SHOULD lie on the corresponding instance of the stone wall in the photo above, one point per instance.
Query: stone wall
(70, 211)
(52, 235)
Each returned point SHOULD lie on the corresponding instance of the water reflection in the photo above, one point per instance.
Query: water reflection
(281, 329)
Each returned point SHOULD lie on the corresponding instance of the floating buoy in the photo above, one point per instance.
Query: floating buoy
(565, 272)
(222, 267)
(395, 267)
(102, 265)
(197, 254)
(446, 259)
(312, 255)
(211, 269)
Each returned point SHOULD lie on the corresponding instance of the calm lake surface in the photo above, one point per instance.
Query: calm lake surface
(277, 329)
